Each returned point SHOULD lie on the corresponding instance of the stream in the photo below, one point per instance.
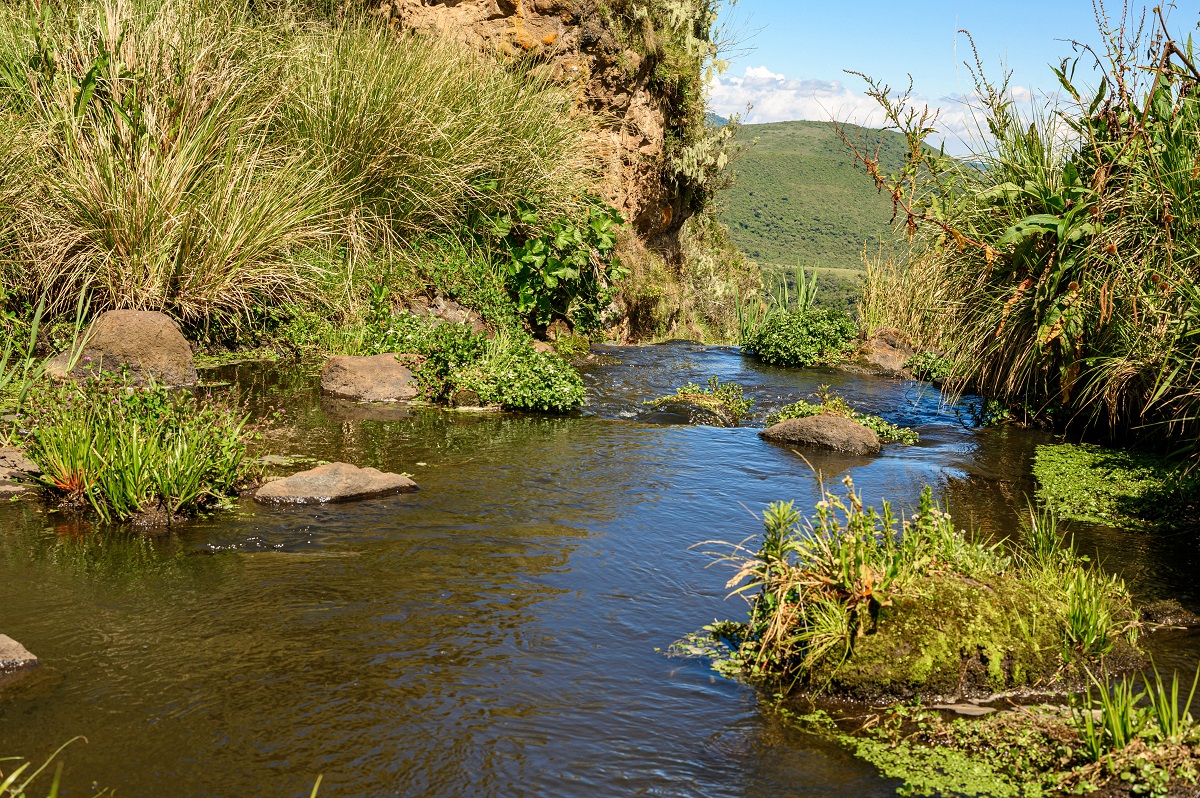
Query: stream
(498, 633)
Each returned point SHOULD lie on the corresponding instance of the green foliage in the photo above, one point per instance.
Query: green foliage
(209, 159)
(1121, 488)
(929, 365)
(511, 374)
(569, 271)
(811, 338)
(833, 404)
(843, 600)
(18, 782)
(126, 451)
(725, 400)
(1065, 253)
(798, 196)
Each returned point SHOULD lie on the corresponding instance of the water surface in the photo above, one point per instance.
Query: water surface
(496, 633)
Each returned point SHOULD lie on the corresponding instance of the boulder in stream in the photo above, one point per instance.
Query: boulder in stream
(375, 378)
(825, 431)
(334, 482)
(14, 656)
(148, 344)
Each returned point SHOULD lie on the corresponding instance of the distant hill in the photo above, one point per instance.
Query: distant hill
(798, 198)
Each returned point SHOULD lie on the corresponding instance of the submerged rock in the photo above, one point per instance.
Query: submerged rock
(376, 378)
(14, 656)
(825, 431)
(709, 414)
(335, 482)
(149, 345)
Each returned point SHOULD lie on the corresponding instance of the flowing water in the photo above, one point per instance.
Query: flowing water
(497, 633)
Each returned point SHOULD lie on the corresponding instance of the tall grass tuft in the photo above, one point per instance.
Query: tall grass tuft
(1060, 263)
(210, 159)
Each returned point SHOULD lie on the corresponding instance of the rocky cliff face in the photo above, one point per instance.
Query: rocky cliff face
(614, 82)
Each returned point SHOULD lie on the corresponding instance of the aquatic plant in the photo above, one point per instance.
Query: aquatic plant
(18, 783)
(843, 600)
(803, 337)
(726, 401)
(832, 404)
(125, 450)
(1122, 488)
(1058, 265)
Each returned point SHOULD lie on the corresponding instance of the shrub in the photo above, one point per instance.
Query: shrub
(514, 376)
(833, 404)
(808, 338)
(126, 451)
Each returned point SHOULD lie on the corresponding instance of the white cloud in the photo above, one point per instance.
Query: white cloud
(776, 98)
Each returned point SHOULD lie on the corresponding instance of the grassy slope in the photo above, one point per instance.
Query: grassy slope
(799, 199)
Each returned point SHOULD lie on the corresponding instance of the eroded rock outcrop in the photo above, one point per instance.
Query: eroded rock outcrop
(334, 482)
(825, 431)
(579, 49)
(17, 472)
(147, 344)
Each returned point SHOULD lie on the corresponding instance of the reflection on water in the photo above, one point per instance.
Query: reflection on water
(494, 633)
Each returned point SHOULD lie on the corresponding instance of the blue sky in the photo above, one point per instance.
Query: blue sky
(792, 68)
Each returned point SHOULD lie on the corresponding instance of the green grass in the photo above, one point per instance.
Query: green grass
(126, 451)
(798, 199)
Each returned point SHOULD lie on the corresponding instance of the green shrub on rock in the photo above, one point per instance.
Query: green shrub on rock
(868, 606)
(833, 404)
(808, 338)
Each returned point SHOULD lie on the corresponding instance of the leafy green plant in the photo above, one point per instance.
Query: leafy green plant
(803, 338)
(833, 404)
(17, 783)
(726, 400)
(125, 451)
(929, 365)
(567, 272)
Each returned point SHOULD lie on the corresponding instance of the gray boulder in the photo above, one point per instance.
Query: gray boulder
(14, 656)
(825, 431)
(335, 482)
(148, 344)
(440, 309)
(377, 378)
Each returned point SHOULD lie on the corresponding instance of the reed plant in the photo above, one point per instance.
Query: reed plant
(826, 590)
(1058, 264)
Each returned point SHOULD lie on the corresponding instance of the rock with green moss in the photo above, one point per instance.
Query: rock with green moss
(956, 636)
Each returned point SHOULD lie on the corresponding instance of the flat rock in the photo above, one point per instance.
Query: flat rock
(14, 656)
(375, 378)
(14, 460)
(148, 344)
(335, 482)
(825, 431)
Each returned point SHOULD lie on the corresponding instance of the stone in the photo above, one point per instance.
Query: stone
(148, 344)
(14, 656)
(375, 378)
(17, 472)
(558, 329)
(825, 431)
(542, 347)
(335, 482)
(14, 460)
(441, 309)
(885, 353)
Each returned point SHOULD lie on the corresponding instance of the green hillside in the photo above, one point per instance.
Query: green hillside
(799, 199)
